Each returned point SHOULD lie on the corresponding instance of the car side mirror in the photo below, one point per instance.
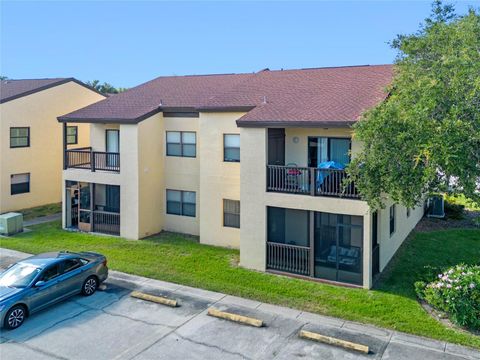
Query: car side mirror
(39, 283)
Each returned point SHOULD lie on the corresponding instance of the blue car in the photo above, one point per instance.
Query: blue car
(39, 281)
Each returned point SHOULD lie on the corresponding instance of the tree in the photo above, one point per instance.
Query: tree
(105, 88)
(3, 77)
(425, 136)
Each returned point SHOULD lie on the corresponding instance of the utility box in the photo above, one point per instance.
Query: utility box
(11, 223)
(436, 206)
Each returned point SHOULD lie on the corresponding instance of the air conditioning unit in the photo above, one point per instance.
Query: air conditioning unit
(11, 223)
(436, 206)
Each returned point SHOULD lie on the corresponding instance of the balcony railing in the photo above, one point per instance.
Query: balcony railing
(104, 222)
(288, 258)
(85, 158)
(309, 181)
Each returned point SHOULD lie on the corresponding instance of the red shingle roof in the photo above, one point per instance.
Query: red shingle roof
(332, 96)
(11, 89)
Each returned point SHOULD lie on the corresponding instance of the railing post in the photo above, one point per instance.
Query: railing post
(312, 181)
(92, 160)
(64, 146)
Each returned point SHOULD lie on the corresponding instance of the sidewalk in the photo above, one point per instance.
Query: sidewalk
(283, 325)
(42, 219)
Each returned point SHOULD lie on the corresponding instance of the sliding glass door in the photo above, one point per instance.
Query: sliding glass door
(112, 144)
(338, 244)
(323, 149)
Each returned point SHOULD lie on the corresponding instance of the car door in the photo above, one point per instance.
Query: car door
(71, 279)
(49, 292)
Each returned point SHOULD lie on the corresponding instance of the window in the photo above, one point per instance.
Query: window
(181, 143)
(323, 149)
(231, 147)
(231, 213)
(408, 212)
(181, 203)
(19, 184)
(72, 135)
(71, 264)
(50, 273)
(392, 219)
(19, 137)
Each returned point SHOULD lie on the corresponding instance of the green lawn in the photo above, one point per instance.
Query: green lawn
(43, 210)
(177, 259)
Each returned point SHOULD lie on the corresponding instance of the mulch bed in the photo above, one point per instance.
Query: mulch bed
(434, 224)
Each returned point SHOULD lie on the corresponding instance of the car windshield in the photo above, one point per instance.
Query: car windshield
(19, 275)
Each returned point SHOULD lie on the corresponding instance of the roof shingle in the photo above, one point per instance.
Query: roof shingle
(307, 96)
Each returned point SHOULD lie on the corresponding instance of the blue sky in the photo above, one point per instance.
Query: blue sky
(127, 43)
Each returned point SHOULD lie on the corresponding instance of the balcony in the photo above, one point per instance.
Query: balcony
(103, 222)
(288, 258)
(85, 158)
(310, 181)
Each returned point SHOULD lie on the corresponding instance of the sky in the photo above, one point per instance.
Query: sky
(126, 43)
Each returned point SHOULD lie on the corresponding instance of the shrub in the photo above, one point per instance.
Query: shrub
(454, 210)
(456, 292)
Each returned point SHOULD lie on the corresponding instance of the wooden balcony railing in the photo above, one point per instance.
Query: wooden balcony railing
(85, 158)
(288, 258)
(309, 181)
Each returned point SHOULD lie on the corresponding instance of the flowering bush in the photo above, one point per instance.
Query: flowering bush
(456, 291)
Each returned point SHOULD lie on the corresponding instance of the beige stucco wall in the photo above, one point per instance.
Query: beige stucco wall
(389, 244)
(181, 173)
(43, 159)
(98, 135)
(218, 179)
(151, 176)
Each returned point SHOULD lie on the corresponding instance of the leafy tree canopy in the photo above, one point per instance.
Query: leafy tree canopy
(105, 88)
(426, 136)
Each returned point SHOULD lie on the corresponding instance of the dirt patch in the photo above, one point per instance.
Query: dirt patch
(434, 224)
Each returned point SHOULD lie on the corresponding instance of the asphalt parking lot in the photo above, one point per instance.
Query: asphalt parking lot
(112, 325)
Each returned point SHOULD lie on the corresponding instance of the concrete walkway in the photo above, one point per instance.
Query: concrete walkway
(128, 328)
(42, 219)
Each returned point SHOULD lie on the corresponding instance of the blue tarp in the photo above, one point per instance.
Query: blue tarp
(327, 165)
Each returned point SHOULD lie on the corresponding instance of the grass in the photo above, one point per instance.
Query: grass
(43, 210)
(460, 199)
(170, 257)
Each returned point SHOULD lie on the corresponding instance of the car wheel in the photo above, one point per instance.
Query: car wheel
(90, 286)
(15, 317)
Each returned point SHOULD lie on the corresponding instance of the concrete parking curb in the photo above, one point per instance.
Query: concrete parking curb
(246, 320)
(153, 298)
(334, 341)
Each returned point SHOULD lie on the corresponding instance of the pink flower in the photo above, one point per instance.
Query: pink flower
(472, 285)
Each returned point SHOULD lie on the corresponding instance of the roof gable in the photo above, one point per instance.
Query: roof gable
(12, 89)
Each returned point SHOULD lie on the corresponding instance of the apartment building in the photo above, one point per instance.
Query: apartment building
(31, 149)
(251, 161)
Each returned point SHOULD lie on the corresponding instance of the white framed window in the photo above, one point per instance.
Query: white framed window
(72, 135)
(392, 219)
(231, 147)
(231, 213)
(182, 143)
(19, 183)
(181, 203)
